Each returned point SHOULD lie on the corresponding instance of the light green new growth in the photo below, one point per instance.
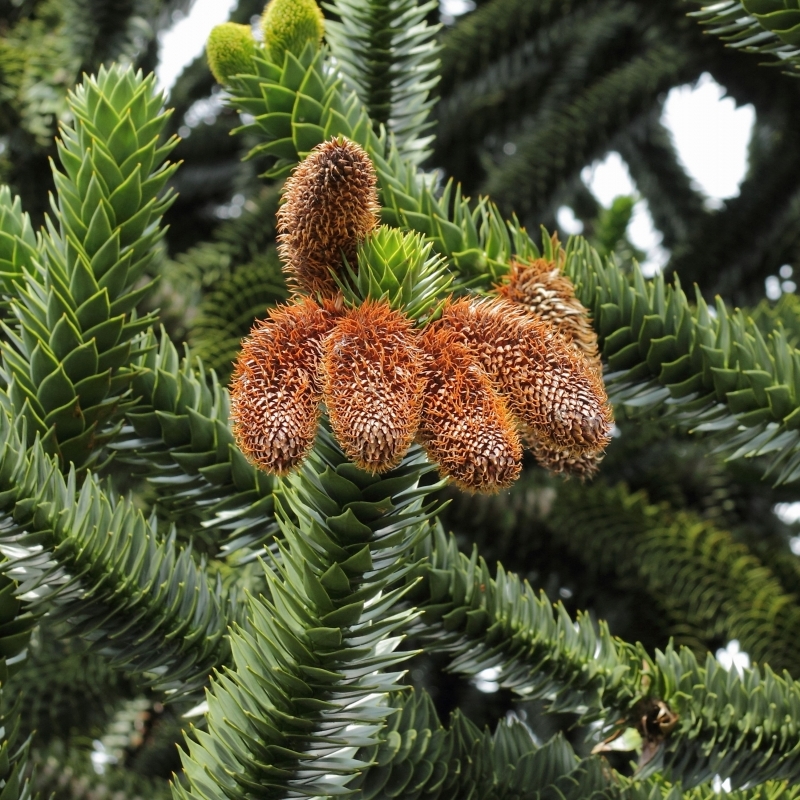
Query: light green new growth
(289, 25)
(17, 241)
(398, 267)
(229, 50)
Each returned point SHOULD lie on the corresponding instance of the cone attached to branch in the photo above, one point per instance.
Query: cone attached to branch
(330, 205)
(276, 387)
(373, 386)
(541, 288)
(466, 428)
(549, 387)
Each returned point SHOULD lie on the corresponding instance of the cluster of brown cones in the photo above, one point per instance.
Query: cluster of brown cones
(487, 376)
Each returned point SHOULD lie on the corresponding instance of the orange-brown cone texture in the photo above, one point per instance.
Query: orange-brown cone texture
(276, 387)
(466, 428)
(564, 462)
(543, 290)
(373, 386)
(330, 205)
(548, 385)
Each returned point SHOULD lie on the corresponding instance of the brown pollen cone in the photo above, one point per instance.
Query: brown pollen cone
(543, 290)
(466, 428)
(373, 387)
(563, 462)
(330, 205)
(548, 385)
(276, 388)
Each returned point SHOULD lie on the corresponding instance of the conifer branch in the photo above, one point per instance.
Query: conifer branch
(707, 586)
(312, 676)
(676, 207)
(97, 562)
(389, 54)
(710, 373)
(569, 138)
(66, 360)
(178, 434)
(18, 244)
(742, 728)
(523, 85)
(710, 392)
(764, 27)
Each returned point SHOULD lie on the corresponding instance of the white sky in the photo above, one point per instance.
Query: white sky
(711, 136)
(185, 40)
(710, 133)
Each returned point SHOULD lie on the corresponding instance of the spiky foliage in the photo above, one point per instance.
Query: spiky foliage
(309, 700)
(66, 360)
(179, 436)
(399, 268)
(707, 587)
(719, 372)
(226, 312)
(348, 536)
(387, 50)
(765, 27)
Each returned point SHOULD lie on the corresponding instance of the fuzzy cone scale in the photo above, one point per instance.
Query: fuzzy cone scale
(276, 388)
(541, 288)
(373, 386)
(465, 428)
(549, 387)
(330, 205)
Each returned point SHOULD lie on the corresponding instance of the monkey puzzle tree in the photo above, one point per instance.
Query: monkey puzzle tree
(270, 573)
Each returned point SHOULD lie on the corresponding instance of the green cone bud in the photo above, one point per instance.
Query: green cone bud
(229, 50)
(290, 25)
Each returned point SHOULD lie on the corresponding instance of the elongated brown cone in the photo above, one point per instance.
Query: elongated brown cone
(465, 428)
(563, 462)
(330, 205)
(548, 386)
(543, 290)
(373, 386)
(276, 387)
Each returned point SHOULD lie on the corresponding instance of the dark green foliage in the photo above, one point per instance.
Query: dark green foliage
(347, 541)
(71, 776)
(714, 373)
(142, 602)
(388, 53)
(703, 585)
(225, 314)
(554, 147)
(507, 765)
(729, 726)
(65, 689)
(179, 435)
